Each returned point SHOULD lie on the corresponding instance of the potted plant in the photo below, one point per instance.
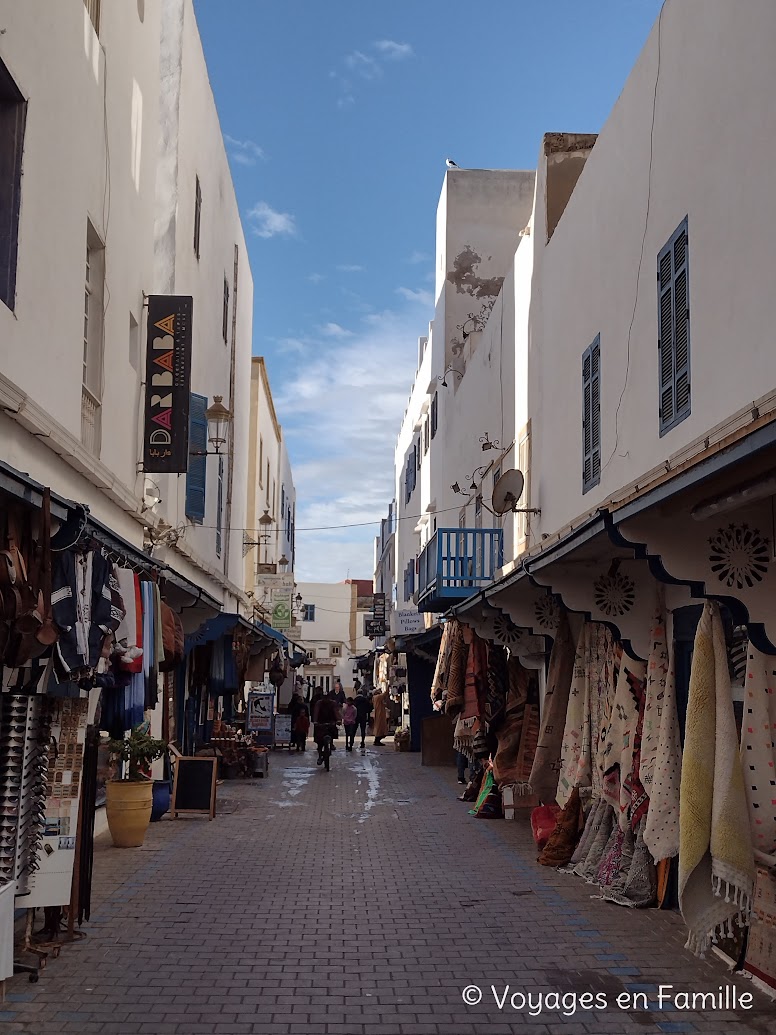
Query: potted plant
(130, 792)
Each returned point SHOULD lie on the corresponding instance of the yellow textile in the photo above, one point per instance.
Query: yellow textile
(716, 862)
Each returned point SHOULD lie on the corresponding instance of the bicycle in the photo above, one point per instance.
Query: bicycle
(325, 748)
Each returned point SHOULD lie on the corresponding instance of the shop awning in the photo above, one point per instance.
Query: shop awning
(21, 487)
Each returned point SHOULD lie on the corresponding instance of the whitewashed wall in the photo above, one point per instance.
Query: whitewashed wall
(90, 152)
(712, 162)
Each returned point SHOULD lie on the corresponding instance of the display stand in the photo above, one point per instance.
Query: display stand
(282, 731)
(194, 785)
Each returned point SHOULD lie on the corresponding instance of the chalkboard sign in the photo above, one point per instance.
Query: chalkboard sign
(194, 787)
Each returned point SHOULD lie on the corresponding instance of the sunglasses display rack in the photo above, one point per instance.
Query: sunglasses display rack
(24, 749)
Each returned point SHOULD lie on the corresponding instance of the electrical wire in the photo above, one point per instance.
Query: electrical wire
(643, 241)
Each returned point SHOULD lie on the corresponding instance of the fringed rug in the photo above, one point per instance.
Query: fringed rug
(716, 862)
(519, 732)
(758, 749)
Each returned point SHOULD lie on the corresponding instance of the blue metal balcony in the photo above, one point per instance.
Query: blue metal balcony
(456, 563)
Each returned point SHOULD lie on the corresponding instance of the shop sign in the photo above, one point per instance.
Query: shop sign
(406, 623)
(260, 709)
(374, 627)
(168, 376)
(278, 591)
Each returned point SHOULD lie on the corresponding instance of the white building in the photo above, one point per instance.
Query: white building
(331, 628)
(463, 394)
(269, 540)
(125, 192)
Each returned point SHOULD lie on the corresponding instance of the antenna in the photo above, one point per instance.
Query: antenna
(507, 492)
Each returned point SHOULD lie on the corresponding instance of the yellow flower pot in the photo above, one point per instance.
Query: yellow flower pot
(128, 808)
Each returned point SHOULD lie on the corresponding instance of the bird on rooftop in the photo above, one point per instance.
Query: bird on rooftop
(450, 163)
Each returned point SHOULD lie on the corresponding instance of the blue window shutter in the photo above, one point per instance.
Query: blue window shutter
(674, 329)
(195, 477)
(591, 415)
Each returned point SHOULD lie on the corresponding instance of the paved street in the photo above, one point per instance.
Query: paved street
(359, 902)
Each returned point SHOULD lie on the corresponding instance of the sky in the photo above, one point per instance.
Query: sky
(338, 116)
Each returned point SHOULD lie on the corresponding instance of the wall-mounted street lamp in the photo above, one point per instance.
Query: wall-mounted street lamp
(443, 377)
(218, 419)
(487, 443)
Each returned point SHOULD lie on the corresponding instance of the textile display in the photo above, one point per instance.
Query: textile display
(612, 859)
(592, 688)
(561, 843)
(488, 804)
(476, 674)
(593, 822)
(621, 786)
(661, 830)
(497, 686)
(761, 945)
(83, 608)
(758, 749)
(518, 734)
(716, 862)
(463, 736)
(456, 677)
(635, 885)
(544, 819)
(657, 673)
(587, 866)
(546, 766)
(442, 667)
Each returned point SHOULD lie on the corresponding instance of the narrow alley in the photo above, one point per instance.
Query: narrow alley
(365, 901)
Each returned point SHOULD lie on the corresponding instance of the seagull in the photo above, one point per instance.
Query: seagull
(450, 163)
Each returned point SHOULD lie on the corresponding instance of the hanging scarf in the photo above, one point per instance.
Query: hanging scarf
(442, 667)
(547, 761)
(716, 863)
(476, 670)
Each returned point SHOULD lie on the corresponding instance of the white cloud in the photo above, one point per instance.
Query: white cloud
(316, 278)
(333, 330)
(351, 268)
(297, 345)
(342, 410)
(363, 65)
(417, 257)
(244, 152)
(267, 222)
(393, 51)
(421, 296)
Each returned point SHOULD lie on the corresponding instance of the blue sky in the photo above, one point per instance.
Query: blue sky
(339, 115)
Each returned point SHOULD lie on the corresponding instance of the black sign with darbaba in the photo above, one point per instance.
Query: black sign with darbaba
(168, 374)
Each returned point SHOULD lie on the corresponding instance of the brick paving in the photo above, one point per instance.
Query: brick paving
(358, 902)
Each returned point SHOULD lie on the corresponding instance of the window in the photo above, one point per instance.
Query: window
(93, 10)
(225, 320)
(197, 215)
(13, 114)
(418, 454)
(195, 476)
(410, 474)
(93, 341)
(409, 580)
(591, 415)
(426, 435)
(219, 512)
(282, 500)
(674, 330)
(434, 415)
(335, 650)
(267, 485)
(308, 613)
(261, 458)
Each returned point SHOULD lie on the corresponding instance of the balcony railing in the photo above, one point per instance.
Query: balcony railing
(90, 421)
(456, 563)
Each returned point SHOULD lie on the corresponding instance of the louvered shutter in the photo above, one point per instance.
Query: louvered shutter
(591, 415)
(195, 476)
(674, 330)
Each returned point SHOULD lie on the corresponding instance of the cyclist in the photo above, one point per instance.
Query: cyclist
(325, 719)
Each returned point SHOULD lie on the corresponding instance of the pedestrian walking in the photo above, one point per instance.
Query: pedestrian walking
(380, 704)
(463, 765)
(339, 693)
(301, 728)
(349, 716)
(363, 711)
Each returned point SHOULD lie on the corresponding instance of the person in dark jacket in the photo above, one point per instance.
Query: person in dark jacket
(363, 710)
(325, 719)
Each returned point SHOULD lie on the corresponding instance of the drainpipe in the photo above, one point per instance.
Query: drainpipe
(230, 451)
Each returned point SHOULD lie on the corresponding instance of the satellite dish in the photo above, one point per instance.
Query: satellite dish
(507, 491)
